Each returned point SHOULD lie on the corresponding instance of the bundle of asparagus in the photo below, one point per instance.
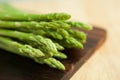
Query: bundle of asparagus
(40, 37)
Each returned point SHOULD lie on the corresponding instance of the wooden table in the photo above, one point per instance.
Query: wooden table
(104, 64)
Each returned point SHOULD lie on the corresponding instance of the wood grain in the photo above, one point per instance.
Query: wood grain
(14, 67)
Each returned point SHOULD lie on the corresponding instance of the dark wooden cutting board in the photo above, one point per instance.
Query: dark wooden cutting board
(14, 67)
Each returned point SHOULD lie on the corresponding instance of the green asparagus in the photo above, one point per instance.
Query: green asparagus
(58, 46)
(79, 25)
(81, 36)
(20, 49)
(34, 17)
(52, 62)
(40, 37)
(70, 42)
(33, 25)
(10, 13)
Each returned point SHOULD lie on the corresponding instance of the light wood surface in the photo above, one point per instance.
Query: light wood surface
(104, 64)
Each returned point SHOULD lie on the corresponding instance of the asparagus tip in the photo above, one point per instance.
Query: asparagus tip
(32, 52)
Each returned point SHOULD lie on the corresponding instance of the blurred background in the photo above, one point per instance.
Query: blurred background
(104, 64)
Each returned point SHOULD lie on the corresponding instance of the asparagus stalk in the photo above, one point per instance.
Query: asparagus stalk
(44, 25)
(79, 25)
(34, 17)
(60, 55)
(18, 15)
(58, 46)
(81, 36)
(52, 62)
(70, 42)
(57, 34)
(20, 49)
(52, 34)
(33, 25)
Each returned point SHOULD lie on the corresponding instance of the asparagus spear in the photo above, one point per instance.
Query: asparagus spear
(46, 33)
(60, 55)
(57, 34)
(44, 25)
(70, 42)
(52, 34)
(58, 46)
(79, 25)
(33, 25)
(52, 62)
(34, 17)
(20, 49)
(18, 15)
(81, 36)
